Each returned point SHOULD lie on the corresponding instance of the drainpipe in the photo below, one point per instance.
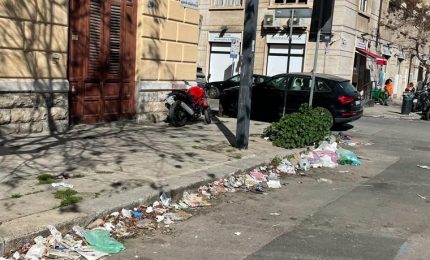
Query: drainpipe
(410, 68)
(378, 33)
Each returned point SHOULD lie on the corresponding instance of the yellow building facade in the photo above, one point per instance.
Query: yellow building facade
(60, 60)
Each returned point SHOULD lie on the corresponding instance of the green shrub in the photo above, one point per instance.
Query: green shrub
(276, 161)
(304, 128)
(45, 178)
(67, 197)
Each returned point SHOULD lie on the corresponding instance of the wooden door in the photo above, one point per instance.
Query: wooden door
(102, 59)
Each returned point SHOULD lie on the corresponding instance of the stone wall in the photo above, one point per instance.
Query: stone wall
(150, 106)
(33, 112)
(33, 57)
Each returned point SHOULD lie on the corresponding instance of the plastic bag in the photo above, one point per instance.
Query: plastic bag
(327, 162)
(346, 157)
(100, 240)
(325, 146)
(286, 167)
(304, 164)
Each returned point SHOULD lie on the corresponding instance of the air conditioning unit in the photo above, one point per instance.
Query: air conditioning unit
(270, 21)
(297, 22)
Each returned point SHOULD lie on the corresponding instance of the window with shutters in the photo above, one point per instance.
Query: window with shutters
(115, 40)
(94, 53)
(363, 6)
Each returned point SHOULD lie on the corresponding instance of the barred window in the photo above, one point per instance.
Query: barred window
(221, 3)
(363, 6)
(283, 2)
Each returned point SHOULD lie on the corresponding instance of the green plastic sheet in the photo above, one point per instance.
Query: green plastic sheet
(101, 240)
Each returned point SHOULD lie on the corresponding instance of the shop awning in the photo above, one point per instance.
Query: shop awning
(379, 59)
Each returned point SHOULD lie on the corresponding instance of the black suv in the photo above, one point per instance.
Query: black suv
(214, 89)
(335, 94)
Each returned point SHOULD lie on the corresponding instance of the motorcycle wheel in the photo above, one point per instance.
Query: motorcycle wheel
(213, 92)
(207, 113)
(177, 115)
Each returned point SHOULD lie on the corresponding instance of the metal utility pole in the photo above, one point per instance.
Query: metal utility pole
(378, 32)
(248, 50)
(325, 55)
(290, 41)
(317, 47)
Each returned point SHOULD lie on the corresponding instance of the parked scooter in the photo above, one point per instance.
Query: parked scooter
(418, 99)
(187, 105)
(425, 101)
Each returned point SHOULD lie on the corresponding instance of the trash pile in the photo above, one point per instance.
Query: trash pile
(100, 238)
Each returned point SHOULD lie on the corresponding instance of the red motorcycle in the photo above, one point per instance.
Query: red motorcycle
(187, 105)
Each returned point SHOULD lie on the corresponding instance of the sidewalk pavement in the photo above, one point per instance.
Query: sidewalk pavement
(389, 112)
(113, 166)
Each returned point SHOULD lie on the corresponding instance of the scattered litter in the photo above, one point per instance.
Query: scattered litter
(193, 200)
(61, 184)
(165, 200)
(168, 221)
(109, 226)
(325, 180)
(102, 234)
(347, 157)
(114, 214)
(422, 197)
(286, 167)
(259, 176)
(276, 225)
(326, 161)
(126, 213)
(160, 218)
(137, 214)
(145, 224)
(78, 231)
(90, 254)
(266, 138)
(37, 250)
(16, 255)
(304, 164)
(101, 240)
(274, 184)
(96, 223)
(424, 167)
(258, 189)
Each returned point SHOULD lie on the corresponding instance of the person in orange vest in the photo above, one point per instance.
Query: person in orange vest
(389, 89)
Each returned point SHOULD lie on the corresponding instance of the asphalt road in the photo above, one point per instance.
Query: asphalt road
(375, 211)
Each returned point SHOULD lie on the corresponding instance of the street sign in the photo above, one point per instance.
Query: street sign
(193, 4)
(298, 13)
(235, 48)
(322, 21)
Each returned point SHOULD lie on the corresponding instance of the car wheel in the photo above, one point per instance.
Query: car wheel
(427, 115)
(213, 92)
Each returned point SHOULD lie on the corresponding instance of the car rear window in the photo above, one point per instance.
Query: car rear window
(348, 88)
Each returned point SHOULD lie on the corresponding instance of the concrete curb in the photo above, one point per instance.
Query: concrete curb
(404, 117)
(23, 230)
